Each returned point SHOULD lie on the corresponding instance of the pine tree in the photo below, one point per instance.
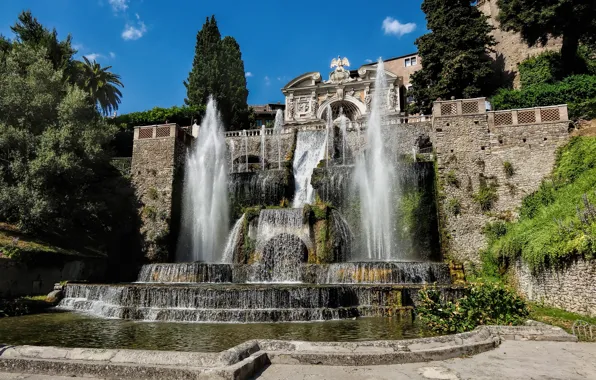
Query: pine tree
(454, 54)
(539, 21)
(218, 71)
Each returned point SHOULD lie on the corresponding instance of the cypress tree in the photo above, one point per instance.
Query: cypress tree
(454, 54)
(218, 71)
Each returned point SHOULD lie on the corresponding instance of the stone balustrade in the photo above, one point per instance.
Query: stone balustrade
(160, 131)
(537, 115)
(459, 107)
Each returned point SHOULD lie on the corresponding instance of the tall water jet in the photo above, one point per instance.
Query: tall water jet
(375, 178)
(343, 126)
(205, 219)
(263, 146)
(277, 127)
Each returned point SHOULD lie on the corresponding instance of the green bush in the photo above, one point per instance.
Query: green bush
(454, 206)
(555, 222)
(547, 67)
(486, 195)
(508, 169)
(451, 178)
(482, 304)
(495, 230)
(577, 91)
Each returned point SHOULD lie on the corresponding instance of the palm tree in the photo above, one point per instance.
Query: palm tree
(101, 84)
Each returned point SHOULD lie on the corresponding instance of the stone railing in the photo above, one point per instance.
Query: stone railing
(161, 131)
(459, 107)
(524, 116)
(255, 132)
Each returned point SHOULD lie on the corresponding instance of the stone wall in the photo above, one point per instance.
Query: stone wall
(472, 151)
(511, 50)
(239, 146)
(19, 279)
(157, 174)
(571, 286)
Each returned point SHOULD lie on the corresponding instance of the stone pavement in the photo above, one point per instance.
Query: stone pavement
(511, 360)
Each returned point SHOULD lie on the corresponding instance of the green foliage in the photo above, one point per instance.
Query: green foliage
(486, 196)
(451, 178)
(152, 193)
(482, 304)
(547, 67)
(183, 116)
(455, 53)
(557, 221)
(218, 71)
(540, 21)
(149, 212)
(100, 84)
(508, 169)
(454, 206)
(495, 230)
(578, 91)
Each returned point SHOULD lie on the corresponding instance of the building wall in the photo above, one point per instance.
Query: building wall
(571, 286)
(510, 49)
(471, 150)
(398, 67)
(20, 279)
(157, 173)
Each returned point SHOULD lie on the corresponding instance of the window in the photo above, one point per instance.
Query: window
(410, 61)
(259, 123)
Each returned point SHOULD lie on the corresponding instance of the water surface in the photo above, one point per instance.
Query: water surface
(79, 330)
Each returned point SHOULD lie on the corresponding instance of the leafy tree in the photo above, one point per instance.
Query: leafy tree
(101, 84)
(539, 21)
(29, 31)
(218, 71)
(454, 53)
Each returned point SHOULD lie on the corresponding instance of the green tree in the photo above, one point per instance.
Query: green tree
(100, 84)
(454, 54)
(539, 21)
(218, 71)
(29, 31)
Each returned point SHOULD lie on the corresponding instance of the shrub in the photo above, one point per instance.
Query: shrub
(578, 91)
(482, 304)
(451, 178)
(486, 195)
(454, 206)
(495, 230)
(508, 169)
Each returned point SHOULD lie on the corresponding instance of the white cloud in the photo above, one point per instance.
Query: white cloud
(248, 74)
(267, 81)
(112, 55)
(93, 56)
(119, 5)
(137, 16)
(394, 27)
(368, 60)
(132, 32)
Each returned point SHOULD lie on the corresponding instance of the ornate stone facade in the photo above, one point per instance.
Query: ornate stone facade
(347, 91)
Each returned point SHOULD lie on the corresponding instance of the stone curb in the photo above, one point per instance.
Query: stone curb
(247, 359)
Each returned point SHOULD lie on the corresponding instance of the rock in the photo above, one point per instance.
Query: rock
(55, 296)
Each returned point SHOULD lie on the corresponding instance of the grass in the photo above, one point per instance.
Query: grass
(550, 229)
(557, 317)
(13, 242)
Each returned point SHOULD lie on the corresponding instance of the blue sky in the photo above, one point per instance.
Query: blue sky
(150, 43)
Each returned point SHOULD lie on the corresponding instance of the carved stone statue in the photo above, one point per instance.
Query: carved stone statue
(368, 101)
(392, 99)
(340, 74)
(314, 106)
(291, 109)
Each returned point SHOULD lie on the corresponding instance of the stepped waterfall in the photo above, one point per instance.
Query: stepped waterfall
(336, 252)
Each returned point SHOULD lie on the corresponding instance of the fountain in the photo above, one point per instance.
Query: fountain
(337, 253)
(277, 127)
(205, 214)
(375, 176)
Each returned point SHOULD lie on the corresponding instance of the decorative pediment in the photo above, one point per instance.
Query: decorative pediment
(304, 80)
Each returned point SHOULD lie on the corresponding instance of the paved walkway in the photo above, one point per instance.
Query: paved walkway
(511, 360)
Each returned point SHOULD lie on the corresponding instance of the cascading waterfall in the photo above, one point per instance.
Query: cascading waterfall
(228, 255)
(310, 150)
(375, 178)
(277, 127)
(205, 219)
